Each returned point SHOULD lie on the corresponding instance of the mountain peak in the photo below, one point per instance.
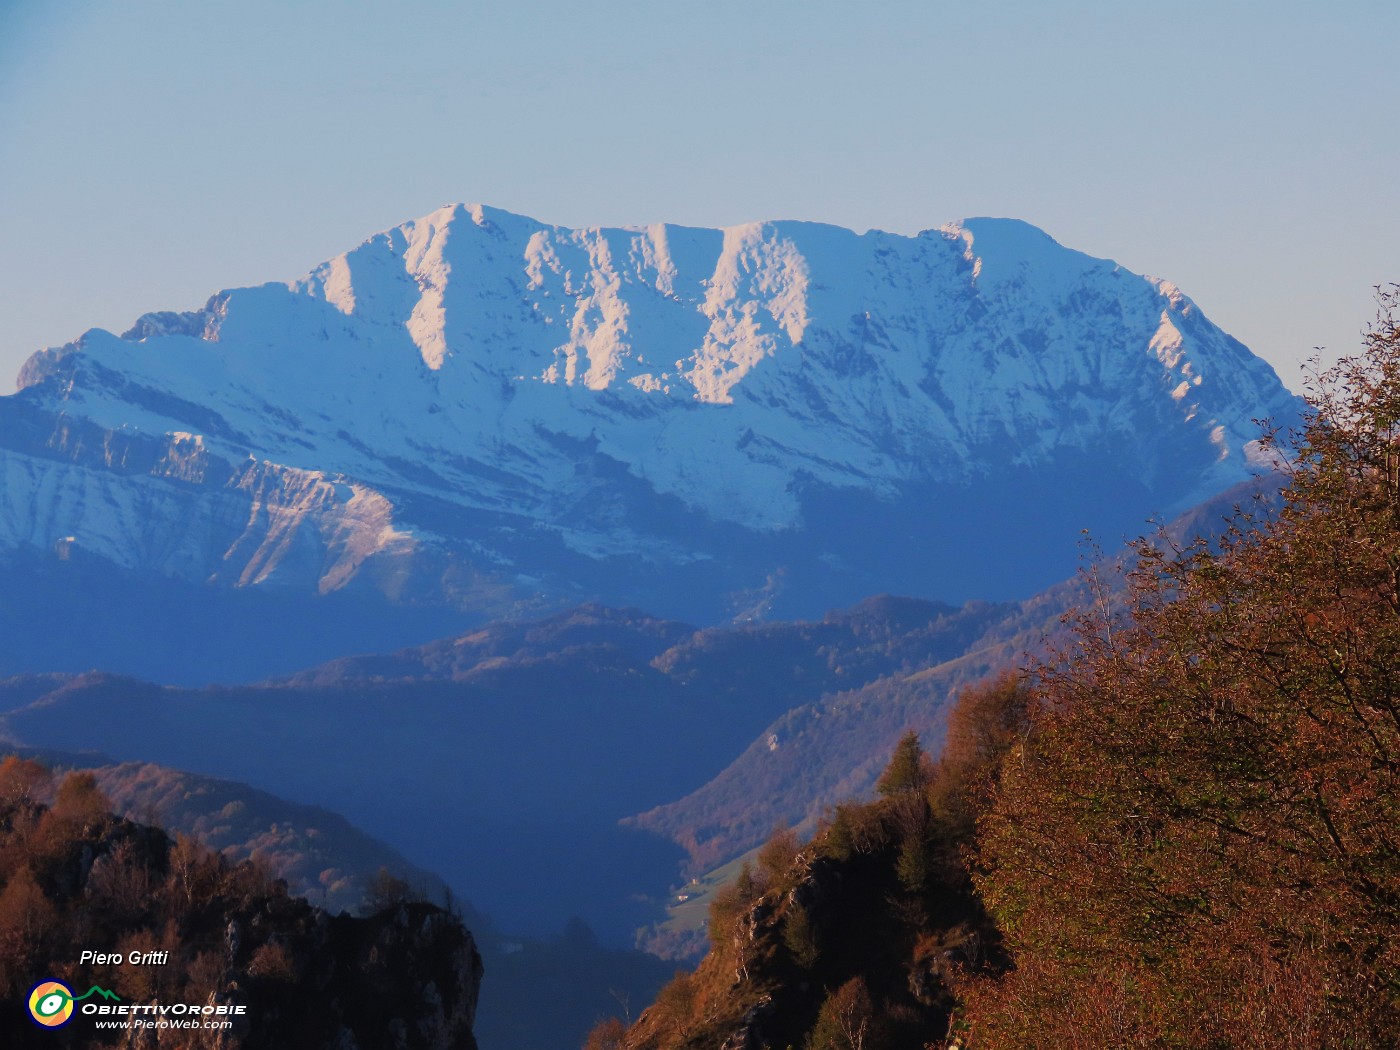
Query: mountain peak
(485, 393)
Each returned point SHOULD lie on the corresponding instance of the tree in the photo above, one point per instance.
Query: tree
(777, 856)
(731, 901)
(384, 891)
(846, 1020)
(914, 865)
(675, 1005)
(26, 917)
(120, 881)
(800, 936)
(1201, 843)
(609, 1034)
(272, 961)
(908, 769)
(988, 720)
(80, 806)
(22, 782)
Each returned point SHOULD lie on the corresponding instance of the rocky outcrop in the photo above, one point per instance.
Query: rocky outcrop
(868, 928)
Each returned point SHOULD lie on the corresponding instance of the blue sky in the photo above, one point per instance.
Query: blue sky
(153, 152)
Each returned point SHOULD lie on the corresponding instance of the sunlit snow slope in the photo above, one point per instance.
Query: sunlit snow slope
(476, 408)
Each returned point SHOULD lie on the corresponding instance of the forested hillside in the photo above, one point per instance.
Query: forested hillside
(1178, 832)
(1200, 848)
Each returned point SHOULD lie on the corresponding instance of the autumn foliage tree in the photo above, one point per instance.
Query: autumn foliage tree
(36, 843)
(846, 1021)
(988, 720)
(1201, 844)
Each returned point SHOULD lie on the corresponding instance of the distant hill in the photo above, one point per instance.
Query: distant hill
(319, 854)
(538, 737)
(831, 749)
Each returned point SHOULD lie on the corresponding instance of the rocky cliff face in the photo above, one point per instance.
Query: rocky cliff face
(475, 408)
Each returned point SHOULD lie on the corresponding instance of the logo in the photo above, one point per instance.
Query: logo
(51, 1003)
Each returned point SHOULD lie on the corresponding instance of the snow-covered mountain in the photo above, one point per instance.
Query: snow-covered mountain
(476, 408)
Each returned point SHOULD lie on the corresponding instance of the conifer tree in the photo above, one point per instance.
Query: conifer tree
(908, 769)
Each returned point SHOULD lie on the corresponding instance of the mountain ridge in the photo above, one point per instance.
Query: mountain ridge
(474, 410)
